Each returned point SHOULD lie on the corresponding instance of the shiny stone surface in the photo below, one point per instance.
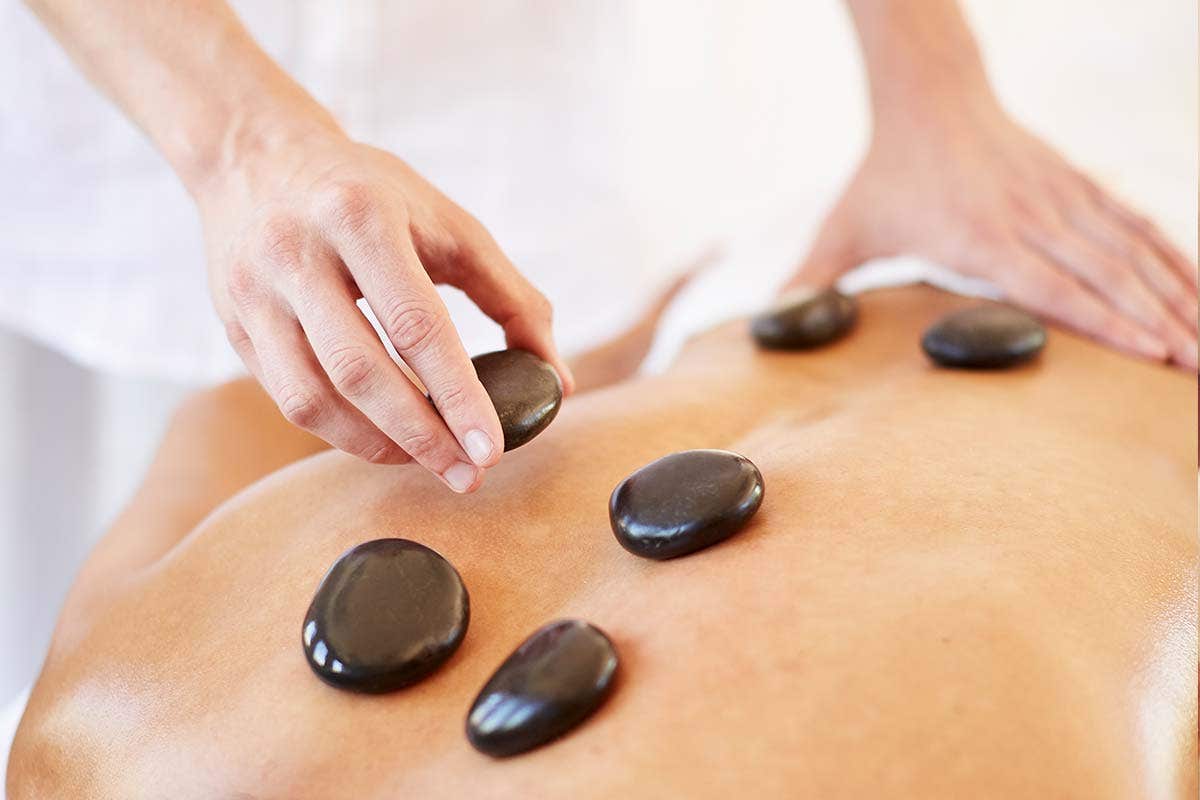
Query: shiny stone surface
(805, 318)
(524, 389)
(684, 502)
(991, 336)
(549, 685)
(388, 613)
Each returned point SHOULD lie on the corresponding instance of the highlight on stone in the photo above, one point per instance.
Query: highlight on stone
(554, 681)
(525, 390)
(805, 318)
(991, 336)
(388, 613)
(685, 502)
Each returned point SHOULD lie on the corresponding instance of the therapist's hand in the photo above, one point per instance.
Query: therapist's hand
(950, 177)
(296, 233)
(983, 197)
(300, 222)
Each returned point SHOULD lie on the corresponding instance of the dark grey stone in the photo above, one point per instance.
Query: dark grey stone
(549, 685)
(990, 336)
(684, 502)
(524, 389)
(388, 613)
(805, 319)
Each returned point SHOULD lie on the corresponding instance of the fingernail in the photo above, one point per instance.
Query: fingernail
(479, 446)
(460, 476)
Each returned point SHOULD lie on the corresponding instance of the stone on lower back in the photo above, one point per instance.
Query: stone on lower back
(549, 685)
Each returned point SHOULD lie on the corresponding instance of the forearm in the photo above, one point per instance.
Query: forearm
(920, 58)
(189, 74)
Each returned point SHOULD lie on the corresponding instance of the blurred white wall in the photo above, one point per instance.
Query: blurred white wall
(1111, 82)
(73, 442)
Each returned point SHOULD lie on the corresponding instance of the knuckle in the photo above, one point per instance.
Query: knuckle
(352, 370)
(280, 240)
(379, 453)
(411, 324)
(420, 444)
(351, 206)
(301, 407)
(451, 399)
(438, 242)
(242, 284)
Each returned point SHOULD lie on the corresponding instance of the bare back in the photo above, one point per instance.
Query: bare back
(959, 584)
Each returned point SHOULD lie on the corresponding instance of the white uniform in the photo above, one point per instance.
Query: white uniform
(602, 143)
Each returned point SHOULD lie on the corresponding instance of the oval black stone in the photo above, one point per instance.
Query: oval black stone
(550, 684)
(388, 613)
(684, 502)
(524, 389)
(991, 336)
(804, 319)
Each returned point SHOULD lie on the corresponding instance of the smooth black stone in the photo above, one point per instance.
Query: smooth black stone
(684, 502)
(388, 613)
(524, 389)
(805, 319)
(553, 682)
(991, 336)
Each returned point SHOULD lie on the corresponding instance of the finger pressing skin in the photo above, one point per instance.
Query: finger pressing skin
(1145, 230)
(503, 293)
(1118, 282)
(1108, 232)
(361, 370)
(1041, 286)
(1179, 330)
(287, 368)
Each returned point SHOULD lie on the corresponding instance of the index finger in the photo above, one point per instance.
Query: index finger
(387, 270)
(499, 289)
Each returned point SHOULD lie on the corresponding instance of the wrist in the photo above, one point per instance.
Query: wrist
(922, 62)
(934, 106)
(235, 151)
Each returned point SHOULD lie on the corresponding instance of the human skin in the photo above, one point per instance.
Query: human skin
(299, 222)
(959, 584)
(949, 176)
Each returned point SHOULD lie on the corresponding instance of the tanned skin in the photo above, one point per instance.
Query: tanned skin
(959, 584)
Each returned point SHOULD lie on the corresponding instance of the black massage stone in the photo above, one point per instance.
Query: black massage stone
(991, 336)
(524, 389)
(805, 319)
(550, 684)
(388, 613)
(684, 502)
